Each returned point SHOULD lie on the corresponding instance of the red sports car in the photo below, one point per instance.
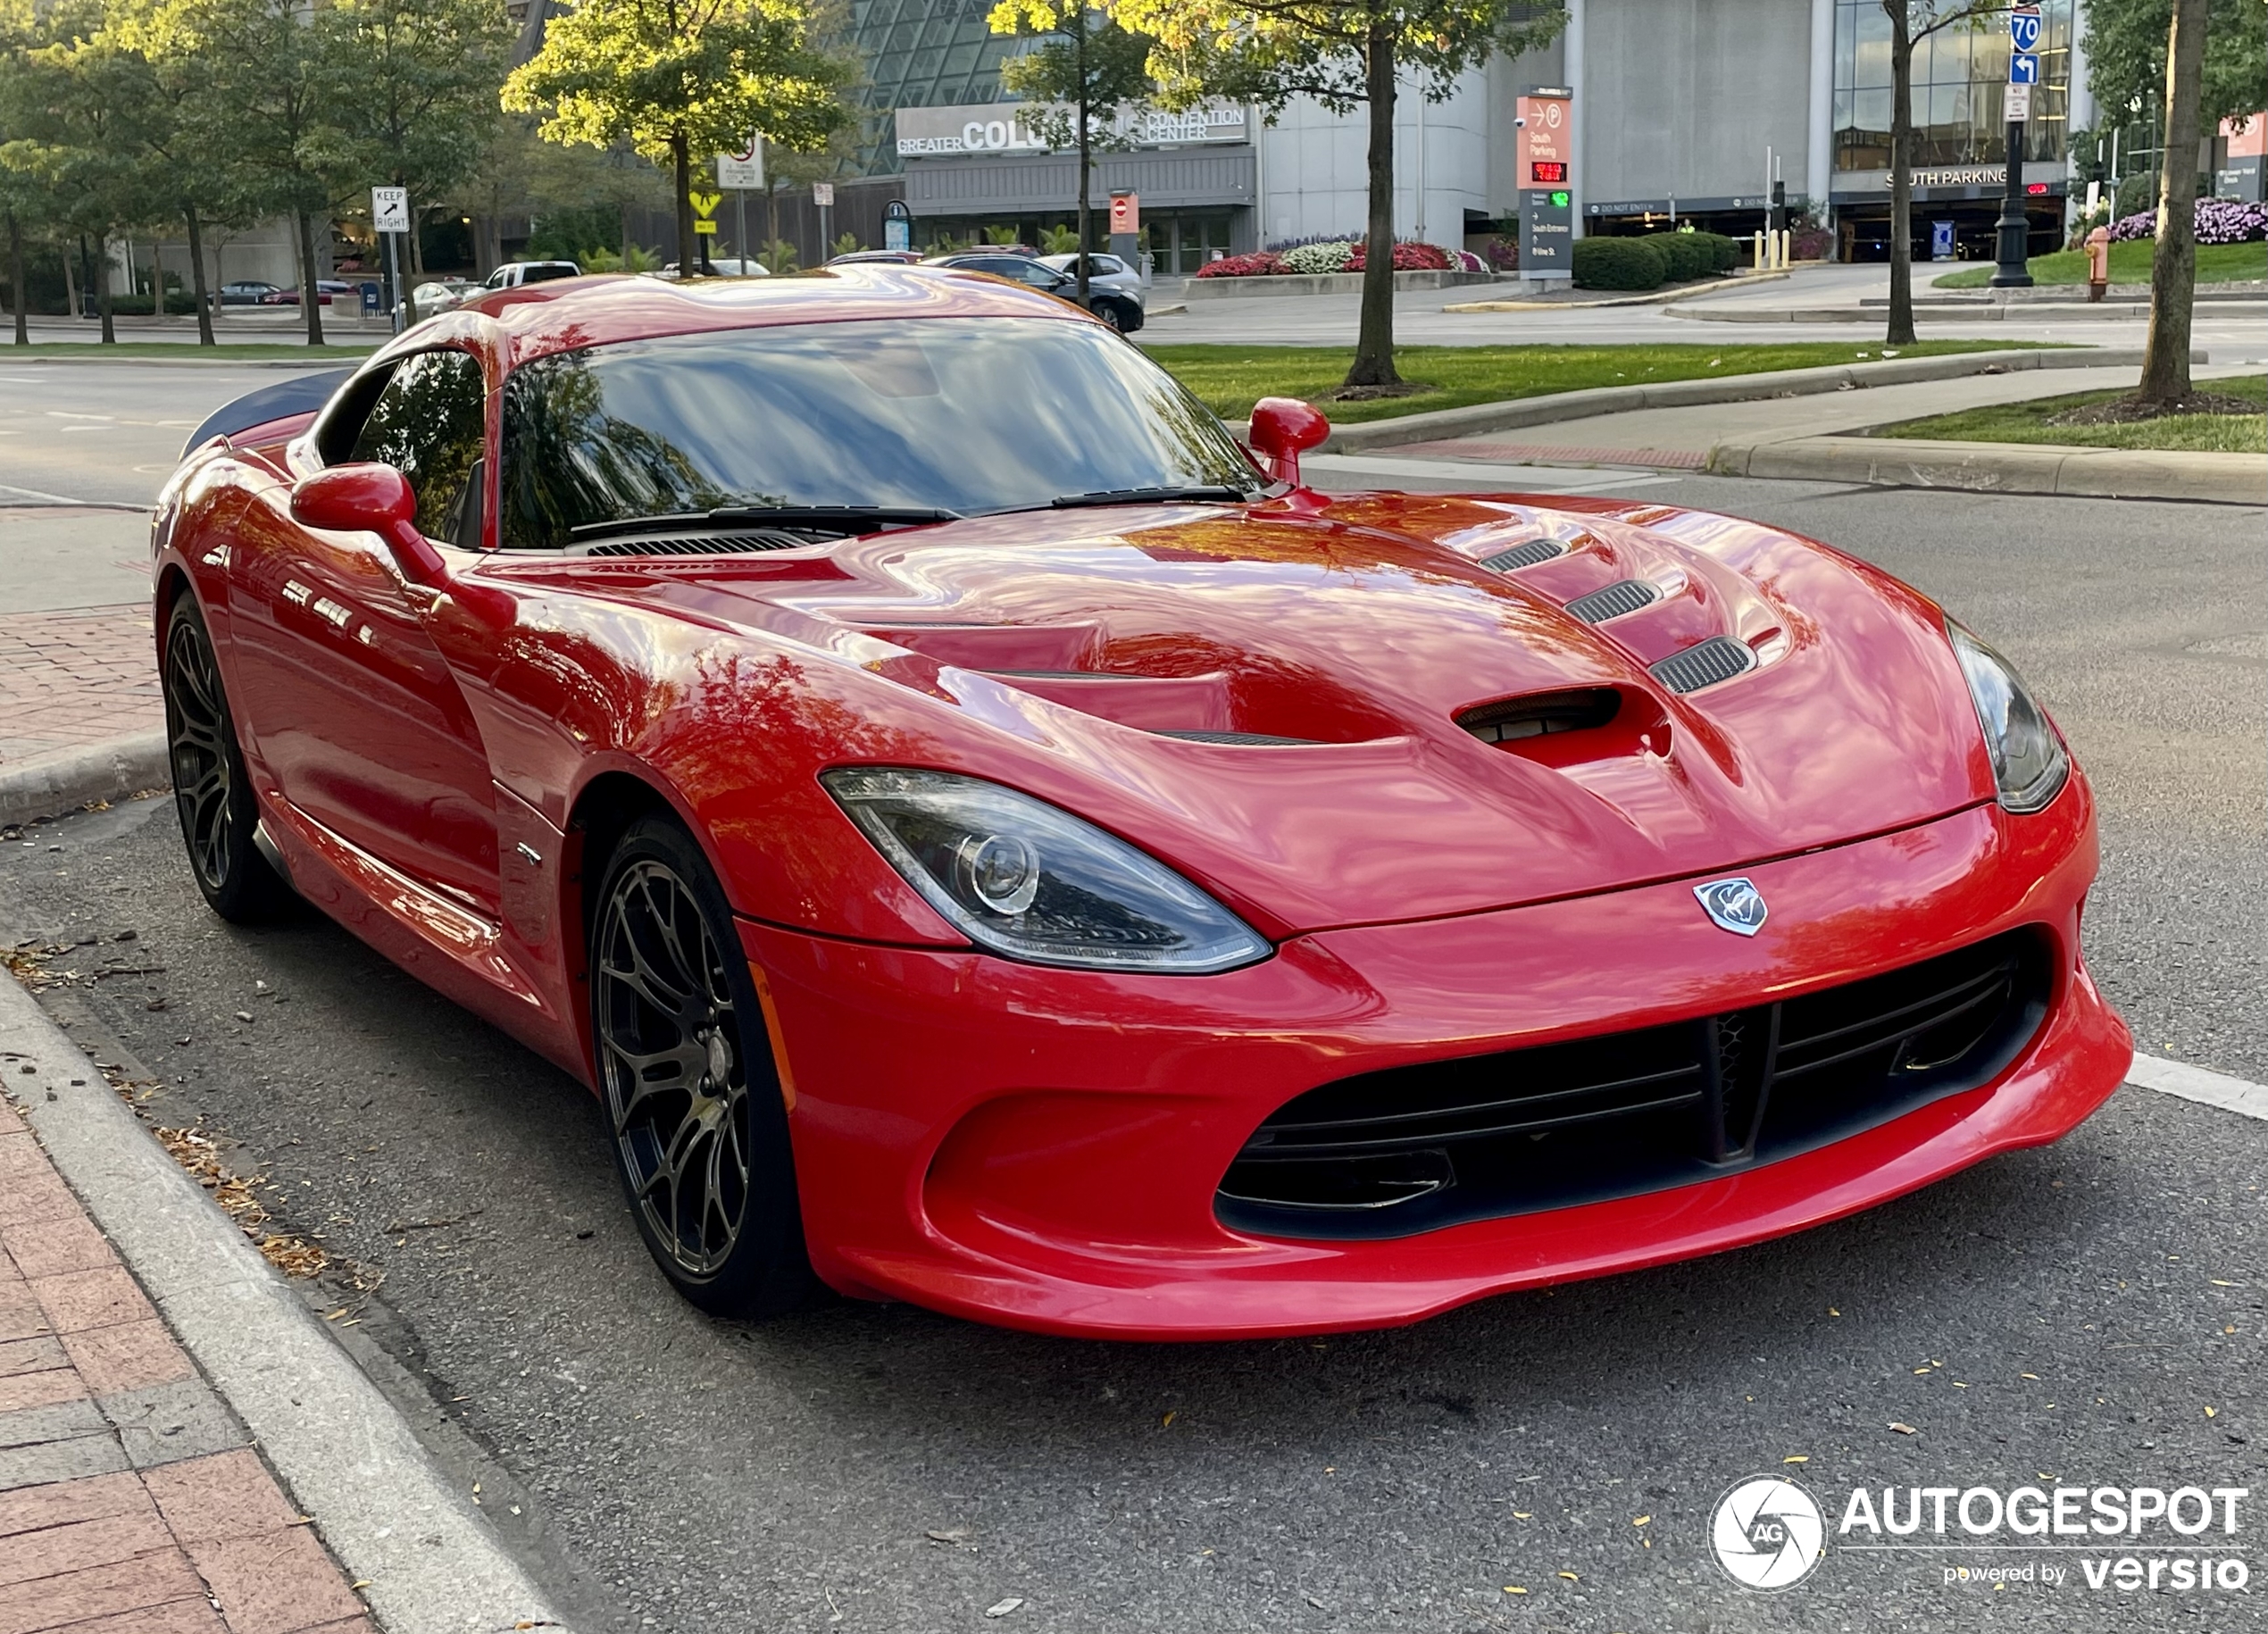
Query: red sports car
(992, 841)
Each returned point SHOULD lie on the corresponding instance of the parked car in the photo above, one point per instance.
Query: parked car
(442, 295)
(722, 266)
(327, 289)
(514, 274)
(248, 292)
(989, 840)
(854, 257)
(1103, 272)
(1119, 308)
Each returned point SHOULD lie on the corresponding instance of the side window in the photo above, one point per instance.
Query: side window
(429, 425)
(1032, 273)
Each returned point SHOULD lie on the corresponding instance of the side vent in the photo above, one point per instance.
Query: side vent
(1534, 716)
(1523, 555)
(1717, 659)
(1245, 740)
(1624, 596)
(699, 544)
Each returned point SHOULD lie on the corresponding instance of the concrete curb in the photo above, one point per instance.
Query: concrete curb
(55, 784)
(427, 1560)
(1982, 311)
(2003, 468)
(1441, 424)
(1660, 297)
(98, 353)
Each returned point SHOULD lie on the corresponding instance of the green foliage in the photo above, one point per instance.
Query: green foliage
(845, 244)
(2032, 422)
(1087, 64)
(1620, 263)
(640, 260)
(2131, 258)
(576, 235)
(777, 256)
(1058, 240)
(1724, 253)
(1683, 254)
(1003, 235)
(413, 98)
(2125, 44)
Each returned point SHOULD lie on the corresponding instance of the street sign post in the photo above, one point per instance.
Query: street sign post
(389, 215)
(897, 226)
(1126, 226)
(742, 172)
(822, 195)
(2013, 230)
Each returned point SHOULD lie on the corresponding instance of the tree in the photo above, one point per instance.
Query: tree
(1089, 68)
(2125, 43)
(2173, 260)
(674, 78)
(417, 94)
(1913, 22)
(1344, 53)
(265, 112)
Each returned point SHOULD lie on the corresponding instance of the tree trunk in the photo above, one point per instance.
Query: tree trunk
(17, 298)
(197, 277)
(1374, 340)
(681, 166)
(1086, 149)
(157, 283)
(2174, 261)
(101, 288)
(311, 298)
(624, 210)
(71, 281)
(1901, 328)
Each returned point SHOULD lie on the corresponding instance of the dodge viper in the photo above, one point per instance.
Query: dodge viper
(992, 838)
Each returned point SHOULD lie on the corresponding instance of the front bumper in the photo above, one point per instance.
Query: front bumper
(1041, 1147)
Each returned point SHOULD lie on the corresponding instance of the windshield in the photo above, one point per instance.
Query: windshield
(960, 414)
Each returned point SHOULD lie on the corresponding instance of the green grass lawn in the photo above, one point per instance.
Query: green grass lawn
(1231, 379)
(2217, 264)
(2027, 422)
(226, 354)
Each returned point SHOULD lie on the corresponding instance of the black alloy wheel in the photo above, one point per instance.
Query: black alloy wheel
(211, 790)
(692, 1097)
(1112, 313)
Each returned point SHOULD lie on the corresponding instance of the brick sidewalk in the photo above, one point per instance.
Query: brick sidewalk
(73, 679)
(131, 1499)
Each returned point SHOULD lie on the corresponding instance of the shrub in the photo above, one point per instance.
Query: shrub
(1684, 254)
(1619, 263)
(2138, 195)
(1242, 266)
(1465, 260)
(1331, 255)
(1724, 251)
(1504, 254)
(1408, 257)
(2218, 221)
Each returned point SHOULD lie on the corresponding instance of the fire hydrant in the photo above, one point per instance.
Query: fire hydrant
(2098, 263)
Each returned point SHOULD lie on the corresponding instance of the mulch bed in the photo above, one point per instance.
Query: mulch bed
(2129, 411)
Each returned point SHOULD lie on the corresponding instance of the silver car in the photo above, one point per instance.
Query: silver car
(1103, 272)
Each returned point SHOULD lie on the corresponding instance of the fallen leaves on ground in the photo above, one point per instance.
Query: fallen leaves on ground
(295, 1256)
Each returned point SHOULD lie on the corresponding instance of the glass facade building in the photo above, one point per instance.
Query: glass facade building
(921, 54)
(1960, 78)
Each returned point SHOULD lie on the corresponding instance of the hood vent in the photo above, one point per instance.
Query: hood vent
(1523, 555)
(1624, 596)
(1508, 719)
(1719, 658)
(1244, 740)
(701, 543)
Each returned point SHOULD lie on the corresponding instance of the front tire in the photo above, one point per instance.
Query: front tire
(686, 1073)
(211, 790)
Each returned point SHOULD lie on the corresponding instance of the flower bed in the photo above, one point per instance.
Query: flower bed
(2219, 220)
(1329, 255)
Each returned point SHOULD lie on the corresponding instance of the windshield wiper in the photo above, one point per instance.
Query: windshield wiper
(1218, 491)
(839, 519)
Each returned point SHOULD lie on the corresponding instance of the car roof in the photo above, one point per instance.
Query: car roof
(567, 314)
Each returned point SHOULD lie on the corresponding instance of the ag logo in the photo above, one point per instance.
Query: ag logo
(1768, 1533)
(1734, 905)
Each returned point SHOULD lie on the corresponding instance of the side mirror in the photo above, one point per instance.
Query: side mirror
(1282, 429)
(370, 498)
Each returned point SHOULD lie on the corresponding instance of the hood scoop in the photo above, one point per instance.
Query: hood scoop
(1719, 658)
(1524, 555)
(1614, 600)
(702, 544)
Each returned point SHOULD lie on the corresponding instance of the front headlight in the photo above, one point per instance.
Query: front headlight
(2029, 761)
(1029, 880)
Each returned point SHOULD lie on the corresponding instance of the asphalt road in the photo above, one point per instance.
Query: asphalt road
(2068, 1313)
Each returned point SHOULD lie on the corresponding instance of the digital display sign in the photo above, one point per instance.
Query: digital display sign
(1547, 170)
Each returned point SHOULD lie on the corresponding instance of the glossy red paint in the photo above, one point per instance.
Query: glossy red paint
(1282, 430)
(1040, 1146)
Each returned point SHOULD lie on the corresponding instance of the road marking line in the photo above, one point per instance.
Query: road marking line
(65, 499)
(2178, 1078)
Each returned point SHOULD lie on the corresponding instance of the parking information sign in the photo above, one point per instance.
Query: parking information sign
(897, 226)
(390, 210)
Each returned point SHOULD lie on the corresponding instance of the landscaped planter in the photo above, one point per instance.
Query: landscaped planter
(1323, 283)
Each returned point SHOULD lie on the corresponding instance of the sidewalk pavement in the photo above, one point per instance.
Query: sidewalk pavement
(131, 1498)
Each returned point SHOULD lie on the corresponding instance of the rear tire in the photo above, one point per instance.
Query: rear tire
(686, 1073)
(211, 790)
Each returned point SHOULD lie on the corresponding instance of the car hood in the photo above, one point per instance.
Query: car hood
(1281, 700)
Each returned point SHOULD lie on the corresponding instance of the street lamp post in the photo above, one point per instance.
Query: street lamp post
(2014, 226)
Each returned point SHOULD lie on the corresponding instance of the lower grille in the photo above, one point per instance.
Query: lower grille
(1412, 1149)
